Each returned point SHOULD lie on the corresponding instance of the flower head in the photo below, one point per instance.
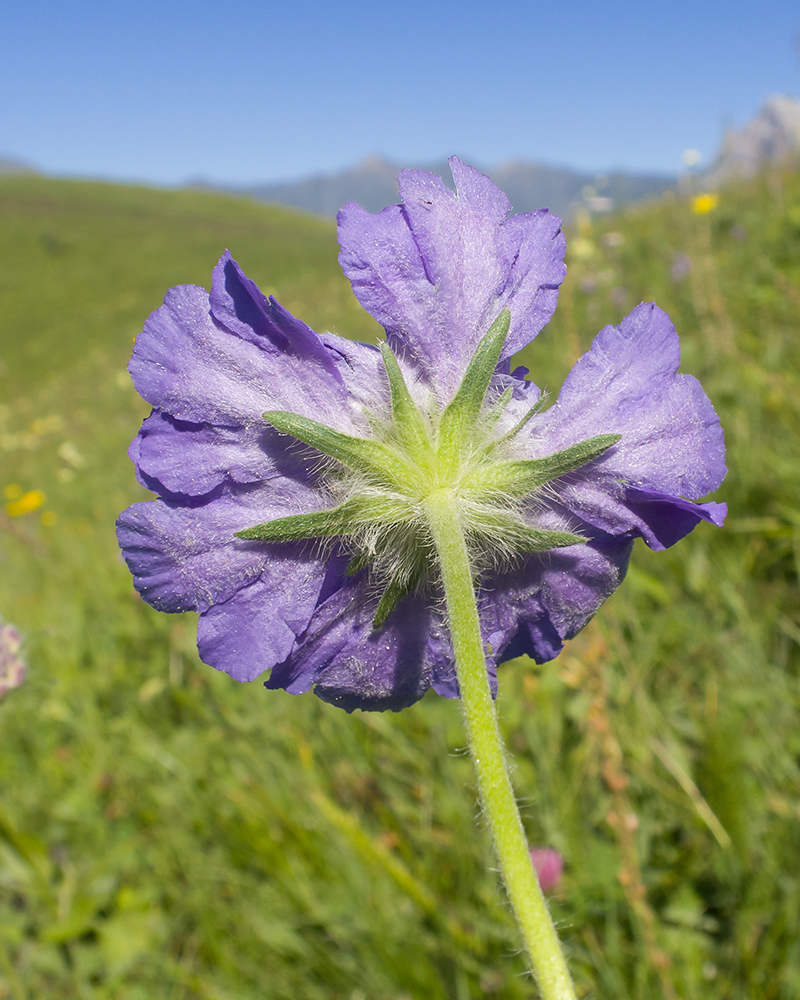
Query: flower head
(24, 503)
(12, 666)
(704, 203)
(549, 867)
(293, 469)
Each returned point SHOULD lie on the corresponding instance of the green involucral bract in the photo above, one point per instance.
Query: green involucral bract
(385, 482)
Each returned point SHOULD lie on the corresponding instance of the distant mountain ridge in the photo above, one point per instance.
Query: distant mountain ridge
(770, 136)
(373, 184)
(11, 165)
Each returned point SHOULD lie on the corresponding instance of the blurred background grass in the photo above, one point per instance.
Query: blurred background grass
(167, 833)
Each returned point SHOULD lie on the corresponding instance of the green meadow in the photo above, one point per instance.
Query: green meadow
(168, 834)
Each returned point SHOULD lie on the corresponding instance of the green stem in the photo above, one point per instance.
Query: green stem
(494, 783)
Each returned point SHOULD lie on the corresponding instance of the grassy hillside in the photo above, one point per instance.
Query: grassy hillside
(167, 833)
(84, 263)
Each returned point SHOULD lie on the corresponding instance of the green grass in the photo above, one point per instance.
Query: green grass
(167, 833)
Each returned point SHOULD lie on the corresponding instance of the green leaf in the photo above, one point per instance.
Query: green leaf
(495, 445)
(464, 409)
(359, 561)
(522, 477)
(342, 520)
(539, 540)
(360, 454)
(537, 407)
(319, 524)
(498, 409)
(569, 459)
(508, 533)
(392, 596)
(409, 423)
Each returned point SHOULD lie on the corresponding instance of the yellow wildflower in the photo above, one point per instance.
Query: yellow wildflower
(32, 500)
(702, 204)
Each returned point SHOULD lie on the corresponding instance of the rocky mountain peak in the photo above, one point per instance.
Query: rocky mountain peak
(771, 136)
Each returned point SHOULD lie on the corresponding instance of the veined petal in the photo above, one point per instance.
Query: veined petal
(238, 304)
(436, 271)
(188, 362)
(360, 368)
(194, 459)
(257, 627)
(352, 665)
(661, 519)
(627, 384)
(549, 598)
(184, 556)
(671, 442)
(666, 519)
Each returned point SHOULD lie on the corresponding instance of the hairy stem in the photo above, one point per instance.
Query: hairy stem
(494, 783)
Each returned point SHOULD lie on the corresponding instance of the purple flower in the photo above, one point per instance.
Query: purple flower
(289, 465)
(12, 666)
(549, 867)
(681, 266)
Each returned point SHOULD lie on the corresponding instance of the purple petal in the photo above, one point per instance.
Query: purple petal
(257, 627)
(193, 459)
(193, 367)
(627, 384)
(533, 609)
(361, 369)
(238, 304)
(436, 271)
(666, 519)
(186, 557)
(354, 666)
(672, 443)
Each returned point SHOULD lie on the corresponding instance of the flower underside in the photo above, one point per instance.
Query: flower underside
(388, 482)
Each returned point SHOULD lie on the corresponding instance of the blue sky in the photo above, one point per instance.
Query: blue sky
(258, 91)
